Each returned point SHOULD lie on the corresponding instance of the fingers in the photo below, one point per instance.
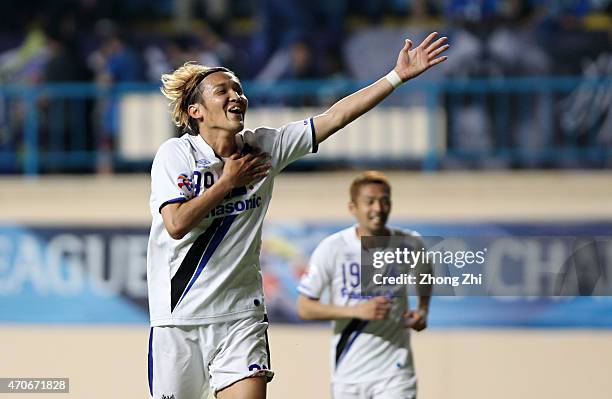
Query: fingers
(407, 45)
(248, 157)
(437, 60)
(383, 314)
(415, 320)
(438, 51)
(375, 309)
(261, 168)
(382, 307)
(435, 49)
(380, 314)
(257, 176)
(437, 43)
(428, 39)
(258, 165)
(248, 168)
(263, 157)
(250, 160)
(258, 170)
(250, 179)
(259, 158)
(419, 325)
(381, 299)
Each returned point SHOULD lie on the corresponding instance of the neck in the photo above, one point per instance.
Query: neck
(365, 232)
(223, 142)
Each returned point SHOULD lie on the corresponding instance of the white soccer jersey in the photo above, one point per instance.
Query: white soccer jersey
(213, 274)
(361, 350)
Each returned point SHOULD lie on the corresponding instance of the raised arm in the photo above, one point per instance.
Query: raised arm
(410, 64)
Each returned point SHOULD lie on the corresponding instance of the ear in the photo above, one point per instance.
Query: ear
(352, 208)
(195, 111)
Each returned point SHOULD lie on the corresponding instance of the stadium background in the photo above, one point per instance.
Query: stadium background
(511, 138)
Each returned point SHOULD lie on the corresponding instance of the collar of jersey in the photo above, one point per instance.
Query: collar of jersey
(205, 148)
(352, 236)
(208, 150)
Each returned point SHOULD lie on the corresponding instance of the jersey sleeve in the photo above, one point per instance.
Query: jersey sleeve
(287, 143)
(319, 276)
(171, 175)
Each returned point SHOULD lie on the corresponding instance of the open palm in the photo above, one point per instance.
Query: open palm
(413, 62)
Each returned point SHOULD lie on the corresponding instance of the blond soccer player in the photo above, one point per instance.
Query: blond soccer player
(210, 189)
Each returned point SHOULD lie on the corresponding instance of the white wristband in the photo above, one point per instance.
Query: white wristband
(393, 78)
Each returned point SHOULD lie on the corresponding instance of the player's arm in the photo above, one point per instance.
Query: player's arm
(410, 64)
(417, 318)
(181, 218)
(312, 309)
(423, 305)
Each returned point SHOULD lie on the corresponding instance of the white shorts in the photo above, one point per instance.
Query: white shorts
(185, 361)
(401, 386)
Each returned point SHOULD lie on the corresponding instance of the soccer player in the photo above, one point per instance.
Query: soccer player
(371, 356)
(210, 190)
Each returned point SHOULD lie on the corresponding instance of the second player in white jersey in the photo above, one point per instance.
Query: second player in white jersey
(370, 349)
(361, 350)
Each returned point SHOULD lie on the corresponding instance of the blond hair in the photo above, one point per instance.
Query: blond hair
(181, 87)
(368, 177)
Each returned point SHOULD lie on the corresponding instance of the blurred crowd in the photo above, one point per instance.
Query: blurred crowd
(109, 41)
(266, 41)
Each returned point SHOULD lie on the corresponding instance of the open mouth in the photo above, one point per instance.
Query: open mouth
(236, 110)
(376, 219)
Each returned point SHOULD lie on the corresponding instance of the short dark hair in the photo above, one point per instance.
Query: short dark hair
(368, 177)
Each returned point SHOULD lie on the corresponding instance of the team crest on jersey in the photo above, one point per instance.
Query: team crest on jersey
(185, 184)
(202, 163)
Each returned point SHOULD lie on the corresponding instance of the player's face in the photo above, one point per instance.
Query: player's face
(224, 102)
(371, 208)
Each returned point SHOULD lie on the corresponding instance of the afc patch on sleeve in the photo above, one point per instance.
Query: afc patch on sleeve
(186, 186)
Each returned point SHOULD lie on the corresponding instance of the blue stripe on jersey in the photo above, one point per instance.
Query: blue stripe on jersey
(193, 147)
(151, 362)
(348, 336)
(172, 201)
(210, 250)
(315, 146)
(190, 262)
(265, 319)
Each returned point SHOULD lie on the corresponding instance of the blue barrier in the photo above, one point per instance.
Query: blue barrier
(69, 274)
(518, 122)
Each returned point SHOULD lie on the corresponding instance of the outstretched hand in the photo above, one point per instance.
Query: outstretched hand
(413, 62)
